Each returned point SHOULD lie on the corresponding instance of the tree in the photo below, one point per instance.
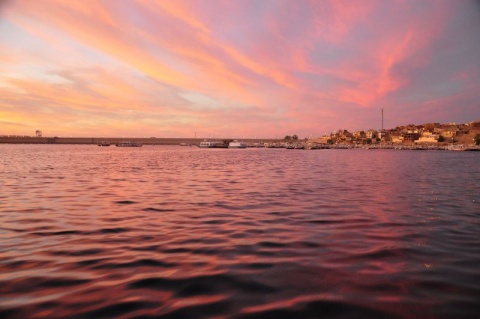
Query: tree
(369, 141)
(295, 137)
(477, 139)
(441, 138)
(288, 137)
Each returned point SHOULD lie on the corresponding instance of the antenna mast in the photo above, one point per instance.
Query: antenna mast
(382, 119)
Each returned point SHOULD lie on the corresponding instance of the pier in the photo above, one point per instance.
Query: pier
(115, 140)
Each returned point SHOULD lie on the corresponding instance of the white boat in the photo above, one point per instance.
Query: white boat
(456, 147)
(209, 144)
(237, 144)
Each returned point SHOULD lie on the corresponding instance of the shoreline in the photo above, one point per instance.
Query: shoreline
(265, 143)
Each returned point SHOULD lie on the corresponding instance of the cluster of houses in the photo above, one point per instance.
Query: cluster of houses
(431, 133)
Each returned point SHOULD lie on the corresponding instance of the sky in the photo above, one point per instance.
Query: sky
(238, 68)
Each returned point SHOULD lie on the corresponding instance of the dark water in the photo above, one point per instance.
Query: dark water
(183, 232)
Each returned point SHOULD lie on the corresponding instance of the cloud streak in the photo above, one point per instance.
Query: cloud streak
(246, 68)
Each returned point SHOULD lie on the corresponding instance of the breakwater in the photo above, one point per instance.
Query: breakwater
(113, 140)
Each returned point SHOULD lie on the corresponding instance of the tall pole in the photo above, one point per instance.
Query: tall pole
(382, 119)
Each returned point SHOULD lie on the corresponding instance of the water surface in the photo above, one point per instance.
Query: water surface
(183, 232)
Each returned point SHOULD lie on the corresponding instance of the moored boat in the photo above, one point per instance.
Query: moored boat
(456, 147)
(209, 144)
(129, 144)
(237, 144)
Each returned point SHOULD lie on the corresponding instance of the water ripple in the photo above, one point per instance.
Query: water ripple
(172, 232)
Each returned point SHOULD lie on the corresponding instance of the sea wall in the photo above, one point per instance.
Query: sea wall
(113, 140)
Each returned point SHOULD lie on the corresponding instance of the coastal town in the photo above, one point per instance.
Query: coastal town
(425, 136)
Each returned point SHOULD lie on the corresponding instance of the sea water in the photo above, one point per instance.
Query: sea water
(184, 232)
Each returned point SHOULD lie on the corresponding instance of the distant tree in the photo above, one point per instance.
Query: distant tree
(295, 137)
(288, 137)
(369, 141)
(330, 141)
(477, 139)
(441, 139)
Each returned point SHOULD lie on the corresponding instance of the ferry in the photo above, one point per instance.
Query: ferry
(129, 144)
(209, 144)
(237, 144)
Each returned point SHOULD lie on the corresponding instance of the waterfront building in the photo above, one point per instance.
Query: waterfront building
(427, 137)
(371, 133)
(410, 137)
(397, 139)
(475, 126)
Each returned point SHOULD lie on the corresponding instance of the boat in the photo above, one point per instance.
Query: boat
(237, 144)
(129, 144)
(312, 146)
(456, 147)
(209, 144)
(104, 143)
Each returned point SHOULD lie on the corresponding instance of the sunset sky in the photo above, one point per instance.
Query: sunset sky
(238, 68)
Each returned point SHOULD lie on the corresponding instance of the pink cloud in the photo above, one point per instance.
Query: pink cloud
(235, 66)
